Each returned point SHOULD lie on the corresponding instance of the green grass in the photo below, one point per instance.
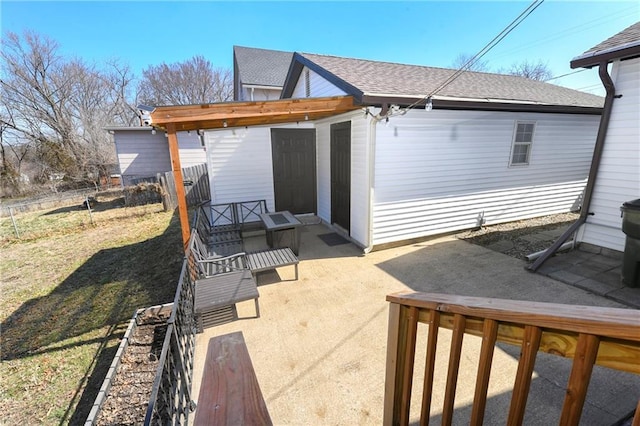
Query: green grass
(68, 289)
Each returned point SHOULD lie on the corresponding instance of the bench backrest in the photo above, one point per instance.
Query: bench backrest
(242, 214)
(223, 214)
(248, 212)
(208, 264)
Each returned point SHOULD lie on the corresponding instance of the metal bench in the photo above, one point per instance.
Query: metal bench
(209, 263)
(229, 390)
(219, 228)
(216, 297)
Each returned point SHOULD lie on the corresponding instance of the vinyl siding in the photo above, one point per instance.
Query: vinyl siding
(143, 154)
(240, 164)
(359, 172)
(319, 86)
(618, 178)
(259, 94)
(191, 150)
(442, 171)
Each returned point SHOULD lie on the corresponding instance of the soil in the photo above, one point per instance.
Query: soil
(131, 389)
(126, 403)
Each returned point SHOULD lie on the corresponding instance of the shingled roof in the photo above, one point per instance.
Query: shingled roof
(261, 67)
(623, 45)
(371, 82)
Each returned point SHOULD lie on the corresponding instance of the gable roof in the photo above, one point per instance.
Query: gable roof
(375, 83)
(623, 45)
(260, 67)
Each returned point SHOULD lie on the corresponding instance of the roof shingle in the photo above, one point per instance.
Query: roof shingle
(262, 67)
(623, 45)
(629, 35)
(374, 78)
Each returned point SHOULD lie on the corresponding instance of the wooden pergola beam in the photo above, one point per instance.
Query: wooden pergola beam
(242, 114)
(178, 118)
(180, 193)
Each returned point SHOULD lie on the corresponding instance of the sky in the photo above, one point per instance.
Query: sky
(430, 33)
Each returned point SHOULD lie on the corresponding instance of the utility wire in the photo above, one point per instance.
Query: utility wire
(497, 39)
(564, 75)
(585, 26)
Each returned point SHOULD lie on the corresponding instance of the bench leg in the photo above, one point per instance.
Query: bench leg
(257, 308)
(296, 265)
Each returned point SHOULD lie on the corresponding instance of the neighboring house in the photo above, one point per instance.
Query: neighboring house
(142, 153)
(258, 74)
(618, 171)
(494, 148)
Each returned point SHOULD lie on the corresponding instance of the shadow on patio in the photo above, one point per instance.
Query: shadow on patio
(319, 347)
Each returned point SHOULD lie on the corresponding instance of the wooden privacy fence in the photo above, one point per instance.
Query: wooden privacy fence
(589, 335)
(196, 185)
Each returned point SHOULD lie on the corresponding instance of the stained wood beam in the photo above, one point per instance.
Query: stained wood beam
(180, 193)
(241, 114)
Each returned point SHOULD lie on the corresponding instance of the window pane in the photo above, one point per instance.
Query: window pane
(524, 132)
(520, 154)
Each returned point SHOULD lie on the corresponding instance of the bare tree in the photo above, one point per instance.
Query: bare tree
(533, 70)
(60, 106)
(194, 81)
(465, 60)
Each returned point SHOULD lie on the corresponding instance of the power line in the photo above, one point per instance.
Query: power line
(497, 39)
(564, 75)
(585, 26)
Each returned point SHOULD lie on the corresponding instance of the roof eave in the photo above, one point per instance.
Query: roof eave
(589, 60)
(480, 104)
(298, 62)
(127, 128)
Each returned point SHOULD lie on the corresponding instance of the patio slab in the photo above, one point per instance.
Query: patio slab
(319, 347)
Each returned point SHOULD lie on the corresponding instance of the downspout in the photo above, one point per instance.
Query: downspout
(593, 171)
(371, 146)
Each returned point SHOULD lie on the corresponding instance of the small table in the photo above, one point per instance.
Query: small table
(220, 291)
(283, 230)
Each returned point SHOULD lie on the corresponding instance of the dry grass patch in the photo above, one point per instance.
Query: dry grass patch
(68, 289)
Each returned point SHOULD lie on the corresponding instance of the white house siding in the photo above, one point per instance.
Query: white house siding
(319, 86)
(259, 94)
(240, 164)
(442, 171)
(190, 148)
(359, 172)
(142, 154)
(618, 178)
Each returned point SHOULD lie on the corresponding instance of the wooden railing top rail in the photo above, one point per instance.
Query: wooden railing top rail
(587, 334)
(610, 322)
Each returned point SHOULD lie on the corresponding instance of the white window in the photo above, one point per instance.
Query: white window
(522, 141)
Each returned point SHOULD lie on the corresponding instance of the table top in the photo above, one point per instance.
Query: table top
(279, 220)
(225, 289)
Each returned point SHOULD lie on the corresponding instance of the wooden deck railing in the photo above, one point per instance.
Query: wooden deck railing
(589, 335)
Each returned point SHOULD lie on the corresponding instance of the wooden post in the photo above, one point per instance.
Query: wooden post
(177, 175)
(13, 221)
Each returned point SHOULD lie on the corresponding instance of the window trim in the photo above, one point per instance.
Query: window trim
(529, 143)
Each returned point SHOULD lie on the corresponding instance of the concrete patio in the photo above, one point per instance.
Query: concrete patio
(319, 347)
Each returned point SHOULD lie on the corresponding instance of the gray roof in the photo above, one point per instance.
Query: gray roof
(364, 78)
(625, 44)
(261, 67)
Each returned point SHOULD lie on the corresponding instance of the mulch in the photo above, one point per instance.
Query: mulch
(131, 387)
